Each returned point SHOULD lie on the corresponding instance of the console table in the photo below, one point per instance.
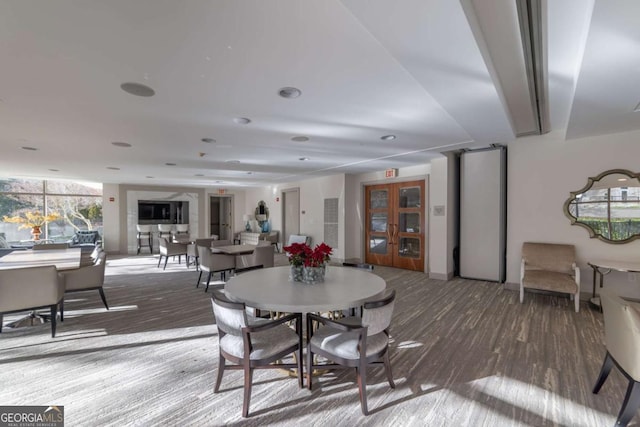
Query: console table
(602, 268)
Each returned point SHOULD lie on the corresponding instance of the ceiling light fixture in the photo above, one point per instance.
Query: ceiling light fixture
(198, 174)
(113, 168)
(30, 148)
(289, 92)
(170, 164)
(137, 89)
(121, 144)
(622, 179)
(242, 120)
(300, 138)
(54, 170)
(249, 173)
(148, 176)
(388, 137)
(208, 140)
(235, 162)
(304, 159)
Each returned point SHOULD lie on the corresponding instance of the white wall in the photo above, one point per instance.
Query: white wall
(111, 217)
(439, 250)
(542, 170)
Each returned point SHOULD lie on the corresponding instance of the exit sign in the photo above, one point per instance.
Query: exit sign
(391, 173)
(221, 190)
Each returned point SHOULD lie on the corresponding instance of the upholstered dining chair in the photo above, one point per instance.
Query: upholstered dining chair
(251, 343)
(356, 342)
(87, 278)
(32, 288)
(214, 263)
(622, 339)
(168, 249)
(262, 255)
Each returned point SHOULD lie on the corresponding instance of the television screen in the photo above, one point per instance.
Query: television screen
(159, 211)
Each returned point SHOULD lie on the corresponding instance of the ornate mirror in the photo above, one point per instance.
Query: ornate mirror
(262, 213)
(608, 206)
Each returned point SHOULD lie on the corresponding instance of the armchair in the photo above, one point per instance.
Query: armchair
(85, 238)
(168, 249)
(550, 267)
(622, 337)
(87, 278)
(32, 288)
(262, 255)
(214, 263)
(251, 343)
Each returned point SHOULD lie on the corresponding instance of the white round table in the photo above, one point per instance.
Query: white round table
(270, 289)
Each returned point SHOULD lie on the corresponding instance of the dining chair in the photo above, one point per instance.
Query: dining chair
(144, 233)
(250, 343)
(355, 342)
(214, 263)
(87, 278)
(32, 288)
(262, 255)
(168, 249)
(165, 230)
(622, 338)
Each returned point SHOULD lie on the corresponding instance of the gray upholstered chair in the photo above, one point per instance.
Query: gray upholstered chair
(50, 246)
(550, 267)
(192, 250)
(168, 249)
(85, 238)
(262, 255)
(214, 263)
(297, 238)
(32, 288)
(355, 342)
(251, 343)
(87, 278)
(622, 339)
(165, 230)
(217, 242)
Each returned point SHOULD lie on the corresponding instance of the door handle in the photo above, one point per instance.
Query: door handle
(395, 233)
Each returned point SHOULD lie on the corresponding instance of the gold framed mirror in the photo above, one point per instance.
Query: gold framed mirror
(262, 213)
(608, 206)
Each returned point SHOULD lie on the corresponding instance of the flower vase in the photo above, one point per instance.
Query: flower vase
(295, 273)
(36, 232)
(313, 275)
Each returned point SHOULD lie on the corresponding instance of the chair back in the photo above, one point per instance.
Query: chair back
(49, 246)
(549, 257)
(164, 228)
(296, 238)
(622, 331)
(377, 312)
(143, 228)
(23, 288)
(230, 316)
(182, 228)
(215, 243)
(204, 256)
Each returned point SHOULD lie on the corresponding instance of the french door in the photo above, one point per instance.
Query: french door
(395, 225)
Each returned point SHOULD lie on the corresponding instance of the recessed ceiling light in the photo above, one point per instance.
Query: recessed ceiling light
(54, 170)
(30, 148)
(289, 92)
(148, 176)
(249, 173)
(388, 137)
(121, 144)
(113, 168)
(208, 140)
(198, 174)
(622, 179)
(304, 159)
(170, 164)
(300, 138)
(219, 182)
(233, 161)
(242, 120)
(137, 89)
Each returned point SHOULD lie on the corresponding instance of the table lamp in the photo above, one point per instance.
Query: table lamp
(246, 218)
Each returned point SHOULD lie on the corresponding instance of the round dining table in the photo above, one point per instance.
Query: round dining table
(271, 289)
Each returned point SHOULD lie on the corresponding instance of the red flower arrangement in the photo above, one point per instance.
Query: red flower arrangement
(301, 254)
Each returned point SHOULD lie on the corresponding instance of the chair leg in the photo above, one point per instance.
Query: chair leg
(300, 356)
(362, 388)
(159, 260)
(521, 293)
(206, 289)
(309, 367)
(199, 278)
(604, 372)
(104, 298)
(166, 258)
(630, 404)
(221, 364)
(387, 370)
(62, 310)
(577, 301)
(248, 374)
(54, 314)
(1, 316)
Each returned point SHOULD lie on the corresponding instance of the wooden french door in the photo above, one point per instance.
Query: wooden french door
(395, 225)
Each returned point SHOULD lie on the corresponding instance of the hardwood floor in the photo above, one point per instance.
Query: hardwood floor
(463, 353)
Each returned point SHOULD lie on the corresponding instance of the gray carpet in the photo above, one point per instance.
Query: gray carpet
(463, 353)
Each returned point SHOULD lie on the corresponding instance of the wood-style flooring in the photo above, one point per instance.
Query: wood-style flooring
(464, 353)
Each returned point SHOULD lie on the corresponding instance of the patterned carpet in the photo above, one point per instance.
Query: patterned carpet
(463, 353)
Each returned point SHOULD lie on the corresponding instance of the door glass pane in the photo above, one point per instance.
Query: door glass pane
(378, 222)
(379, 199)
(409, 222)
(409, 197)
(378, 245)
(409, 247)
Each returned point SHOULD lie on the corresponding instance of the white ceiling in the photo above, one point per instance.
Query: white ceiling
(441, 75)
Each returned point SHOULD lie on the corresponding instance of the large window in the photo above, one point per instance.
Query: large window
(78, 206)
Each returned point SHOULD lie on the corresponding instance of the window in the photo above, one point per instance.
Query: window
(78, 206)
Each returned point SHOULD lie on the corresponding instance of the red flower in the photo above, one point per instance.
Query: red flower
(302, 254)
